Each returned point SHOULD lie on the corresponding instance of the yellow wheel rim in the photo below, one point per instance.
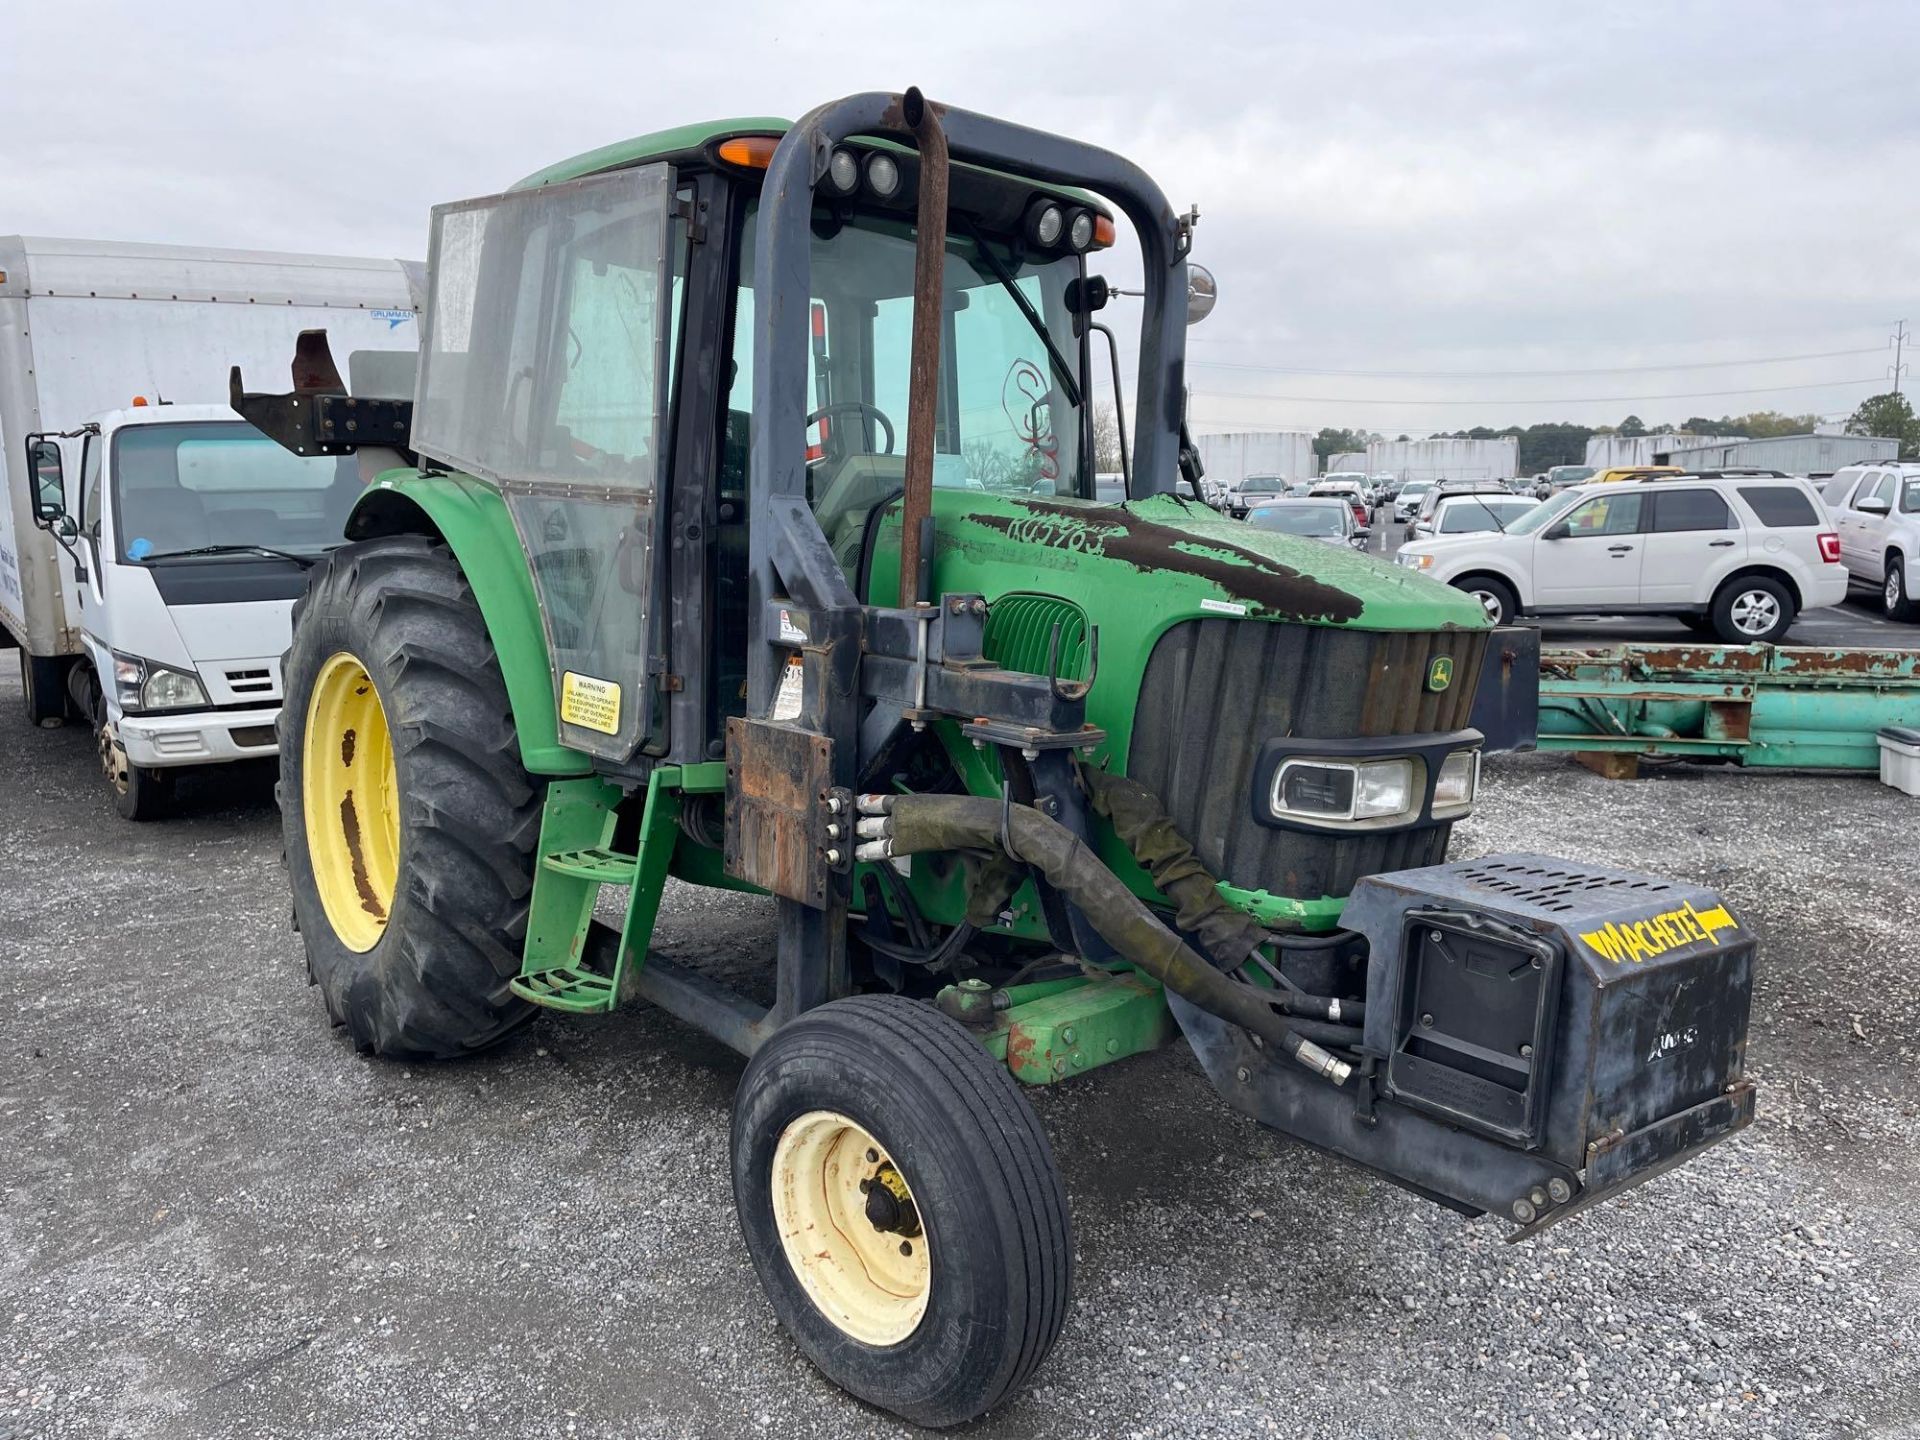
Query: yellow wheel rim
(352, 802)
(862, 1260)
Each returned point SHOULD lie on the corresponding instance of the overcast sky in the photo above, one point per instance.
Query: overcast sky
(1415, 188)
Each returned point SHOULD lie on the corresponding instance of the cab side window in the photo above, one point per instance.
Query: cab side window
(90, 485)
(1691, 510)
(1607, 515)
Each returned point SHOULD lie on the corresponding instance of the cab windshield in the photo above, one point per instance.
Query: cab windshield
(1008, 409)
(223, 488)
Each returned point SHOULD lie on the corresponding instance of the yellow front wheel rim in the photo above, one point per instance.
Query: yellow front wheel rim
(862, 1258)
(352, 802)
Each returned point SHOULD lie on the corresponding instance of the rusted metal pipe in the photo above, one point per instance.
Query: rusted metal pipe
(929, 265)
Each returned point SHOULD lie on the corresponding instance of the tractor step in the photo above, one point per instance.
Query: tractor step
(578, 992)
(604, 867)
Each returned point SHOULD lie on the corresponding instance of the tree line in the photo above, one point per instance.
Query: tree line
(1563, 443)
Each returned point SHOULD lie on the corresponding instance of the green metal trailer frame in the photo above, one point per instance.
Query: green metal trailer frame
(1776, 706)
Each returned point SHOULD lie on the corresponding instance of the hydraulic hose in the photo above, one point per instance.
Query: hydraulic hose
(1225, 932)
(912, 824)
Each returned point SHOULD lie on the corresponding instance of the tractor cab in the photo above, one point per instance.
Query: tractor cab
(748, 535)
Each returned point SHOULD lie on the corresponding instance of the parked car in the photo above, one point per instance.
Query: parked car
(1408, 500)
(1559, 477)
(1876, 510)
(1614, 474)
(1251, 490)
(1472, 514)
(1351, 488)
(1431, 499)
(1738, 558)
(1299, 489)
(1386, 485)
(1328, 519)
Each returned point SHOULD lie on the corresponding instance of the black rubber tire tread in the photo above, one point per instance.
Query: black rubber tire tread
(1493, 584)
(872, 1058)
(148, 796)
(1904, 609)
(435, 985)
(43, 686)
(1723, 609)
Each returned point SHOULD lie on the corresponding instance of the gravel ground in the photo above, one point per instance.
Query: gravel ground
(216, 1220)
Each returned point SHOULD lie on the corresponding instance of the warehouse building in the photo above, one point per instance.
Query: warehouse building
(1795, 454)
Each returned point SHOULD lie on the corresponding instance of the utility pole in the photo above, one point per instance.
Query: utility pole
(1898, 340)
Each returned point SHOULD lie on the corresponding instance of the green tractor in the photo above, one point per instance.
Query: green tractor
(743, 529)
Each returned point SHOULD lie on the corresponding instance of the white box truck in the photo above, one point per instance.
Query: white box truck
(151, 541)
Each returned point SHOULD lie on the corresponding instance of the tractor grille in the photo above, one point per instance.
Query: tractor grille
(1217, 690)
(1019, 631)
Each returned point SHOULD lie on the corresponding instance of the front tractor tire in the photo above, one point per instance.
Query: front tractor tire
(901, 1206)
(410, 822)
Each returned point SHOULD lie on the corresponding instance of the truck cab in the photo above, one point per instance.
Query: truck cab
(188, 535)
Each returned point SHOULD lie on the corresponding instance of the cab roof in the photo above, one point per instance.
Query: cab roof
(693, 142)
(680, 143)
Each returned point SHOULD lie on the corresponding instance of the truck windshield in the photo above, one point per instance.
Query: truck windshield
(222, 484)
(1006, 419)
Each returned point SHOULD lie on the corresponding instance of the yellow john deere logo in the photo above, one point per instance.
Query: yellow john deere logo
(1440, 673)
(1657, 934)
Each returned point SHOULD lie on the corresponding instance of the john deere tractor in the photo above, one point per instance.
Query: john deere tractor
(743, 529)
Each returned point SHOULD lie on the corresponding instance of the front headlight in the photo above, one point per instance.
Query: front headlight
(1336, 790)
(148, 685)
(128, 673)
(1454, 789)
(171, 689)
(1416, 562)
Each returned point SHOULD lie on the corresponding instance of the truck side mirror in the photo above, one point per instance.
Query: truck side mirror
(1872, 505)
(1202, 291)
(49, 481)
(1556, 531)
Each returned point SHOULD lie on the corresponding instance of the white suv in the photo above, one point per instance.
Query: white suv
(1876, 509)
(1735, 557)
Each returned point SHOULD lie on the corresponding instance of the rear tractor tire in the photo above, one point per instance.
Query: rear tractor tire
(410, 822)
(901, 1206)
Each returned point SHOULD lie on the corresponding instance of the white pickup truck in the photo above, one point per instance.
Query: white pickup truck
(151, 541)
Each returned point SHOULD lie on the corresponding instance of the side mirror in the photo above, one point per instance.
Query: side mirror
(1202, 291)
(1556, 531)
(49, 480)
(1872, 505)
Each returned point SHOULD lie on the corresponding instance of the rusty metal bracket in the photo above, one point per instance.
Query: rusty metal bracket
(318, 416)
(779, 784)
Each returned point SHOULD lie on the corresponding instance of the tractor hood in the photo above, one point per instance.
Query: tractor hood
(1147, 564)
(1215, 642)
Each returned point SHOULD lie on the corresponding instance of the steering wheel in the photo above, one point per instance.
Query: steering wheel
(856, 407)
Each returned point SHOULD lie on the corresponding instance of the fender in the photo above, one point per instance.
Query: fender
(472, 520)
